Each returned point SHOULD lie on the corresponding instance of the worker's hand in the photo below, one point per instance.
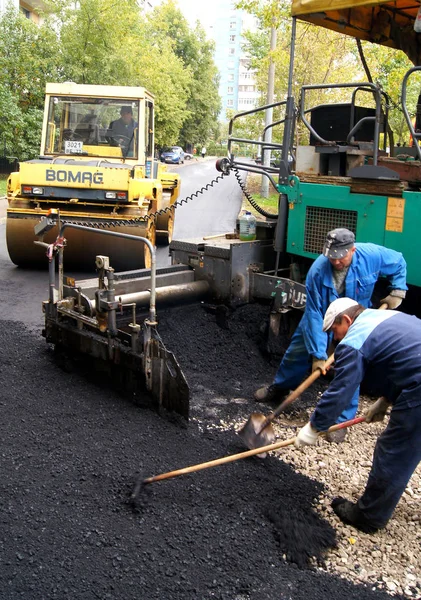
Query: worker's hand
(394, 299)
(318, 363)
(307, 436)
(377, 410)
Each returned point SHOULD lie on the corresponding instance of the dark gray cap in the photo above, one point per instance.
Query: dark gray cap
(338, 242)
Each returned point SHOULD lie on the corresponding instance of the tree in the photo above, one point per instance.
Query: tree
(108, 42)
(28, 59)
(321, 57)
(111, 43)
(97, 38)
(196, 53)
(388, 67)
(204, 102)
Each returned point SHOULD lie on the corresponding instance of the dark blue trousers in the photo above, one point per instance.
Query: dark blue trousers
(396, 456)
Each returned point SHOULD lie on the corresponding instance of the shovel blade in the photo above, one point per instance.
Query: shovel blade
(254, 436)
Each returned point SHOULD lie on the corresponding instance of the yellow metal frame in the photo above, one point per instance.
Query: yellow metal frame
(112, 151)
(358, 18)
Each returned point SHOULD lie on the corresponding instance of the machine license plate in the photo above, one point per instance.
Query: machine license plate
(72, 147)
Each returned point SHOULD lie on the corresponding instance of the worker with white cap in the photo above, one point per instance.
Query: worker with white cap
(345, 269)
(383, 348)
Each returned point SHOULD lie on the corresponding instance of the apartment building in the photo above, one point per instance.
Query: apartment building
(237, 88)
(31, 9)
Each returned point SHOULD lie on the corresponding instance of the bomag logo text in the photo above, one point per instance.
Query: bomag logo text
(63, 176)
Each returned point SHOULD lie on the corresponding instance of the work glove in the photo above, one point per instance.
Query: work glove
(318, 363)
(307, 436)
(377, 410)
(394, 299)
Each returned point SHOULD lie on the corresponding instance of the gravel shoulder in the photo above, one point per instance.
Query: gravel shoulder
(252, 530)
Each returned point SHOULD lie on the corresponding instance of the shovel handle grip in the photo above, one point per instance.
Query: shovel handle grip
(346, 424)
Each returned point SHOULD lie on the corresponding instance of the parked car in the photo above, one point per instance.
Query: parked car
(275, 160)
(188, 156)
(173, 154)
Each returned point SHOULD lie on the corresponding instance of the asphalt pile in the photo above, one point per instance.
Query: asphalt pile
(303, 538)
(72, 450)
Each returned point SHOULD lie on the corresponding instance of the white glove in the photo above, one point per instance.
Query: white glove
(377, 411)
(307, 436)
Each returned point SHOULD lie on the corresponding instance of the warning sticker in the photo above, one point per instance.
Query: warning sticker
(395, 213)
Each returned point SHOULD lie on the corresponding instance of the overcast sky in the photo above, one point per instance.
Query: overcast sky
(204, 11)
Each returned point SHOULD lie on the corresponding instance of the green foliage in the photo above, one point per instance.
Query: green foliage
(271, 13)
(114, 43)
(3, 185)
(111, 43)
(96, 40)
(28, 57)
(388, 67)
(27, 61)
(20, 127)
(248, 127)
(196, 54)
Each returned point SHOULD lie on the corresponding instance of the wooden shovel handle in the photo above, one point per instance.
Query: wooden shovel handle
(297, 392)
(227, 459)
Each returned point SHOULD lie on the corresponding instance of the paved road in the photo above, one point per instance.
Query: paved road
(216, 210)
(3, 206)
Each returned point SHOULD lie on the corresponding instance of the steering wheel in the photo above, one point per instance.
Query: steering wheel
(122, 140)
(76, 137)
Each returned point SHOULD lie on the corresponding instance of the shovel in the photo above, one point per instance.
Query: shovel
(258, 431)
(141, 483)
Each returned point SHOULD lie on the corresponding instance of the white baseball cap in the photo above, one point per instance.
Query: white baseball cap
(335, 309)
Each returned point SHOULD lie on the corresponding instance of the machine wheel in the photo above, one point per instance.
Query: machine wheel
(165, 222)
(165, 228)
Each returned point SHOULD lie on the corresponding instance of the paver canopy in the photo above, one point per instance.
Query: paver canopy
(387, 23)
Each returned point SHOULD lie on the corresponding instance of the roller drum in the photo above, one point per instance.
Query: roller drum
(81, 247)
(165, 221)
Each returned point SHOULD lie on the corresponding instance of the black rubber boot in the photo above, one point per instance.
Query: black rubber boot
(270, 393)
(349, 513)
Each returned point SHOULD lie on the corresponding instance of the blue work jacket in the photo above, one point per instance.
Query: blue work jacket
(369, 262)
(383, 347)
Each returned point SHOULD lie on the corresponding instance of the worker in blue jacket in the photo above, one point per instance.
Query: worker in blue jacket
(384, 348)
(344, 269)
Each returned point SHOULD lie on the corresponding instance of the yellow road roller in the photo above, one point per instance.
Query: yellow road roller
(96, 168)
